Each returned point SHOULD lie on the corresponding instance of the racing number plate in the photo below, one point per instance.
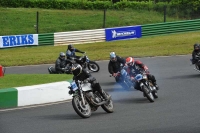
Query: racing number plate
(74, 86)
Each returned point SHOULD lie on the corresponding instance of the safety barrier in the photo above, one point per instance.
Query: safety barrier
(79, 37)
(170, 27)
(35, 94)
(46, 39)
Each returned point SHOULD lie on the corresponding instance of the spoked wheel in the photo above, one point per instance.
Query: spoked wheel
(82, 110)
(93, 66)
(108, 107)
(148, 93)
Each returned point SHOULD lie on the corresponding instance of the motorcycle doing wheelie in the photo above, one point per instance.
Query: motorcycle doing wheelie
(85, 101)
(147, 87)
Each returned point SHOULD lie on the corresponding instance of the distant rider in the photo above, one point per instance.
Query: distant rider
(137, 67)
(82, 74)
(70, 53)
(114, 65)
(61, 63)
(196, 54)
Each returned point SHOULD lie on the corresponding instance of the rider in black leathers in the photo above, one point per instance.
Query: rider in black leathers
(114, 65)
(196, 55)
(70, 53)
(61, 63)
(82, 74)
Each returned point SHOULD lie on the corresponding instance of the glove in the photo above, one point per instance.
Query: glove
(132, 78)
(114, 74)
(91, 79)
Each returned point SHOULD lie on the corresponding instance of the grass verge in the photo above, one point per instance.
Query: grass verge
(165, 45)
(17, 80)
(16, 21)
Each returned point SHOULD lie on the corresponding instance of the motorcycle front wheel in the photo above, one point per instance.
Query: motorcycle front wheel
(83, 111)
(148, 93)
(93, 66)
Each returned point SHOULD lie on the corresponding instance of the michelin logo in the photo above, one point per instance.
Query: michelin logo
(123, 33)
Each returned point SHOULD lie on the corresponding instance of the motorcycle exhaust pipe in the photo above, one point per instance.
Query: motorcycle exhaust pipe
(103, 102)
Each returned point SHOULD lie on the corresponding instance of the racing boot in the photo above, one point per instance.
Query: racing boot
(155, 84)
(101, 92)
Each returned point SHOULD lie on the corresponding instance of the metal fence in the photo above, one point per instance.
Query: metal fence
(31, 21)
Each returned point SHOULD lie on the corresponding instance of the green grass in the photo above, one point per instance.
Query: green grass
(14, 21)
(20, 21)
(17, 80)
(166, 45)
(172, 44)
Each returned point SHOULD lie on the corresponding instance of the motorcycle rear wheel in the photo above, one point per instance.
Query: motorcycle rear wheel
(147, 93)
(83, 111)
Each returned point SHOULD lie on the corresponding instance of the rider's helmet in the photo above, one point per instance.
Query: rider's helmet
(76, 69)
(130, 61)
(62, 55)
(113, 57)
(196, 46)
(70, 47)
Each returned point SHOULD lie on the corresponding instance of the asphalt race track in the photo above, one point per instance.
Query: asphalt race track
(175, 111)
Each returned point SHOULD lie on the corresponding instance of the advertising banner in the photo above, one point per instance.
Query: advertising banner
(18, 40)
(122, 33)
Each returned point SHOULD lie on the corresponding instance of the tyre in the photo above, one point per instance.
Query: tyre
(147, 93)
(155, 94)
(93, 66)
(83, 111)
(108, 107)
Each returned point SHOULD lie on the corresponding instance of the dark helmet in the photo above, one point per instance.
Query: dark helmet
(76, 69)
(70, 47)
(196, 46)
(113, 57)
(62, 55)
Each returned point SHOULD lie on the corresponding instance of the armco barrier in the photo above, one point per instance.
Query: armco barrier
(46, 39)
(79, 37)
(33, 95)
(170, 27)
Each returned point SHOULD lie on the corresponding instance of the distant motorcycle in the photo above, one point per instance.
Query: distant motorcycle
(67, 70)
(147, 87)
(85, 101)
(85, 62)
(196, 64)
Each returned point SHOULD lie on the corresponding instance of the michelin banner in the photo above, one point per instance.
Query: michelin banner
(18, 40)
(123, 33)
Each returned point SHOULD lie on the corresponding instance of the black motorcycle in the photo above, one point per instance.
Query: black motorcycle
(66, 70)
(85, 101)
(147, 87)
(85, 62)
(196, 64)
